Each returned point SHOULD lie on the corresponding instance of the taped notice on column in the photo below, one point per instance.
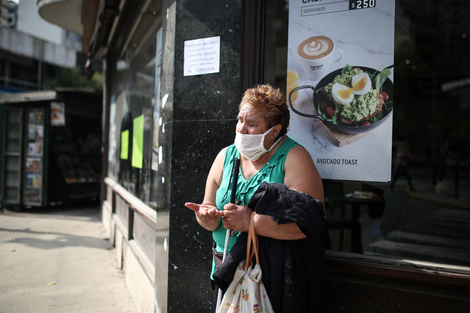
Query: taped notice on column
(202, 56)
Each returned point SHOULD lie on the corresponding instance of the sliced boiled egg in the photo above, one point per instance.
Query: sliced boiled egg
(361, 84)
(342, 94)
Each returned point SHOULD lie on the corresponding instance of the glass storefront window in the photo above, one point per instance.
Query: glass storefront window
(132, 108)
(423, 213)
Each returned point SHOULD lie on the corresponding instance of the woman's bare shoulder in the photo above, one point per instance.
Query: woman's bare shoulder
(299, 152)
(218, 164)
(301, 173)
(221, 154)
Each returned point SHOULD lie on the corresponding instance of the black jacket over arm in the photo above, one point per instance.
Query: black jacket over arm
(292, 269)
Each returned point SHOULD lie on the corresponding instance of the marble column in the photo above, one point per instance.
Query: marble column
(198, 120)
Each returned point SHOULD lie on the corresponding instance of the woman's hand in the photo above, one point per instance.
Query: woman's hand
(207, 215)
(236, 217)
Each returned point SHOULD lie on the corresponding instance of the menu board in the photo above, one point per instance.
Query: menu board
(340, 85)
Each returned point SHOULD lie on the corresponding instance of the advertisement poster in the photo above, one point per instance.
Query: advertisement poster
(340, 85)
(57, 114)
(33, 165)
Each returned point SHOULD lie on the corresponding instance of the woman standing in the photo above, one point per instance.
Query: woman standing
(266, 154)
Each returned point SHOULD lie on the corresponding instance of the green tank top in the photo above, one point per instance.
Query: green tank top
(272, 172)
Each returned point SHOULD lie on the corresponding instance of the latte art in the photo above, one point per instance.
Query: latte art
(316, 54)
(315, 47)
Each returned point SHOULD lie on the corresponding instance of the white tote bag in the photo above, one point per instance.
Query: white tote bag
(246, 292)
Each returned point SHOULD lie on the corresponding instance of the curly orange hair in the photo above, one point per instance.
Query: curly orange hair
(271, 103)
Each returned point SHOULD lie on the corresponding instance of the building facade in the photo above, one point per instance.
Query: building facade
(163, 128)
(33, 50)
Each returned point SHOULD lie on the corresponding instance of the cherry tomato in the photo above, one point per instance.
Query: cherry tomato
(365, 123)
(330, 112)
(386, 96)
(323, 106)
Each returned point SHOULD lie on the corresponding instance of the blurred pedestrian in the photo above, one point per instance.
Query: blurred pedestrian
(401, 165)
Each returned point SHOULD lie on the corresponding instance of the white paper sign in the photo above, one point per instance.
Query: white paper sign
(202, 56)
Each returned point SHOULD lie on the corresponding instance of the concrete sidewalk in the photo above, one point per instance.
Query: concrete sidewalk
(59, 259)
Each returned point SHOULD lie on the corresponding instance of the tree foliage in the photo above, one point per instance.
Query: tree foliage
(74, 77)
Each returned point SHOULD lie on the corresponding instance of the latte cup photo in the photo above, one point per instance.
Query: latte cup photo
(316, 55)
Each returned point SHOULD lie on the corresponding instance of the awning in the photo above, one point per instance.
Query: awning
(78, 16)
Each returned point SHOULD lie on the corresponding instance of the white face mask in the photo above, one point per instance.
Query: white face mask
(251, 146)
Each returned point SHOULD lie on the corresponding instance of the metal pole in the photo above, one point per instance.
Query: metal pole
(236, 166)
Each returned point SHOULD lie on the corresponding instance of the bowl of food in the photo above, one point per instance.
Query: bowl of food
(351, 100)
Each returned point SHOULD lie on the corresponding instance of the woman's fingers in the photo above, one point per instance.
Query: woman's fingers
(192, 206)
(204, 211)
(236, 217)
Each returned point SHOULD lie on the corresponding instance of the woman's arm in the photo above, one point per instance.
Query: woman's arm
(237, 217)
(207, 213)
(300, 175)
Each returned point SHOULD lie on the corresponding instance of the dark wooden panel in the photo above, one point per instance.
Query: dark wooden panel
(355, 283)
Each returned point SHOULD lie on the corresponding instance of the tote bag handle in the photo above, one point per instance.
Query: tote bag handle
(252, 248)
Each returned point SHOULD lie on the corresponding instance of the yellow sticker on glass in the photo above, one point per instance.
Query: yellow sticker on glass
(125, 144)
(138, 142)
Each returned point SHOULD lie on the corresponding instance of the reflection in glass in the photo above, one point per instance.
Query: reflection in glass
(426, 211)
(133, 100)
